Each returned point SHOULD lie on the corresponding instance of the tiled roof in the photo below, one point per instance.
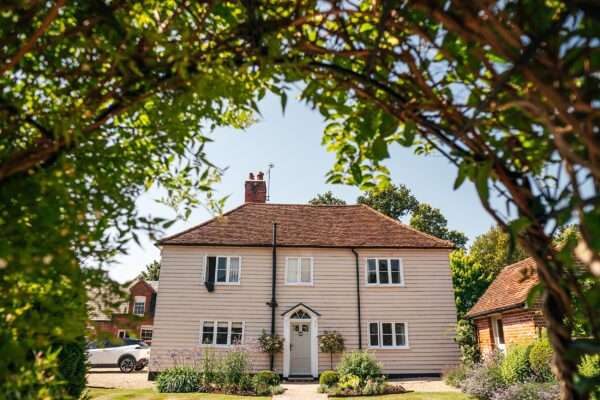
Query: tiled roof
(306, 225)
(508, 290)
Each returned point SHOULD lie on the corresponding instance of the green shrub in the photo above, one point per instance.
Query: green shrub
(329, 378)
(540, 360)
(361, 364)
(178, 380)
(373, 387)
(72, 366)
(514, 368)
(235, 371)
(267, 377)
(455, 376)
(278, 389)
(350, 381)
(590, 367)
(264, 382)
(210, 369)
(271, 344)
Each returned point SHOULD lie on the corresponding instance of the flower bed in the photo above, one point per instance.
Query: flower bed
(227, 375)
(358, 374)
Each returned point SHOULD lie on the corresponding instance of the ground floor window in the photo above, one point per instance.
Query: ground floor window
(122, 334)
(222, 333)
(384, 334)
(146, 333)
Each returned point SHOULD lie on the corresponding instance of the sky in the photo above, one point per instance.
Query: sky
(292, 142)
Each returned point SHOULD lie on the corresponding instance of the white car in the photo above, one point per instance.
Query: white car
(129, 356)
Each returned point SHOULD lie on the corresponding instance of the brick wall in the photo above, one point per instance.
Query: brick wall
(484, 335)
(129, 322)
(519, 326)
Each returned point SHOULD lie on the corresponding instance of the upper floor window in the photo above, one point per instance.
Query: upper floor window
(385, 271)
(388, 334)
(139, 305)
(227, 269)
(299, 271)
(222, 333)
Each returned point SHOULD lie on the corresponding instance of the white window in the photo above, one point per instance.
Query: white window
(498, 332)
(146, 333)
(385, 271)
(122, 334)
(299, 270)
(227, 269)
(222, 333)
(139, 305)
(388, 335)
(124, 308)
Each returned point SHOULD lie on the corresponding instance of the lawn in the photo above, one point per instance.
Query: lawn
(418, 396)
(151, 394)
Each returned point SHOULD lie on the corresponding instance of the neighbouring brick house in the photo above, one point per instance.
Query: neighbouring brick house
(133, 318)
(501, 315)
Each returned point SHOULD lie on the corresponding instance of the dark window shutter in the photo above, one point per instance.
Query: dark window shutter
(152, 304)
(209, 280)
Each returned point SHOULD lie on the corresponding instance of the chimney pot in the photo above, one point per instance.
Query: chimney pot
(260, 176)
(251, 176)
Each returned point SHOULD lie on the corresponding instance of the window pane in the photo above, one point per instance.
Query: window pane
(387, 337)
(383, 272)
(500, 331)
(207, 332)
(400, 335)
(222, 328)
(374, 334)
(292, 272)
(236, 332)
(395, 269)
(372, 271)
(234, 269)
(138, 307)
(222, 269)
(305, 271)
(146, 334)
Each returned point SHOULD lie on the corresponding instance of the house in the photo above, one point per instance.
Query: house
(133, 318)
(501, 315)
(301, 270)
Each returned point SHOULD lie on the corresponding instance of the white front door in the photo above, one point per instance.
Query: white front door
(300, 348)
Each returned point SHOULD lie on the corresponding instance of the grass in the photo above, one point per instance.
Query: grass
(418, 396)
(151, 394)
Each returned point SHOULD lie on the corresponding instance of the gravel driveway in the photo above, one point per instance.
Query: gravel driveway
(113, 378)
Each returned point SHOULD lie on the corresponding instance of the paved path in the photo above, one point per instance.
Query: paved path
(300, 391)
(114, 378)
(425, 385)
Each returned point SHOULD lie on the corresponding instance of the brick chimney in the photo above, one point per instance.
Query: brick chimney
(256, 189)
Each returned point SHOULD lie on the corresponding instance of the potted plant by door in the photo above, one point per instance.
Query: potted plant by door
(331, 342)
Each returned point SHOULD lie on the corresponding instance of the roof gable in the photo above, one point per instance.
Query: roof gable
(509, 290)
(306, 226)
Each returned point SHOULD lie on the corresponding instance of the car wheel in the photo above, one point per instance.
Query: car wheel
(127, 364)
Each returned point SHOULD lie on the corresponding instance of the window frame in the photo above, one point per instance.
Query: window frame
(147, 328)
(124, 332)
(135, 301)
(380, 335)
(389, 261)
(214, 334)
(228, 257)
(299, 258)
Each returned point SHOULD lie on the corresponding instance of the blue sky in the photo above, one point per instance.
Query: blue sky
(292, 142)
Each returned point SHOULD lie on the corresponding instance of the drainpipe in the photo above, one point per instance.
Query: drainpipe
(273, 302)
(358, 299)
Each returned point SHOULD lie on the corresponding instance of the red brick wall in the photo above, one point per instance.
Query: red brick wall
(128, 321)
(484, 335)
(519, 326)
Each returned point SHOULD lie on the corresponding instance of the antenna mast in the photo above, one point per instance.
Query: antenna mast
(271, 165)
